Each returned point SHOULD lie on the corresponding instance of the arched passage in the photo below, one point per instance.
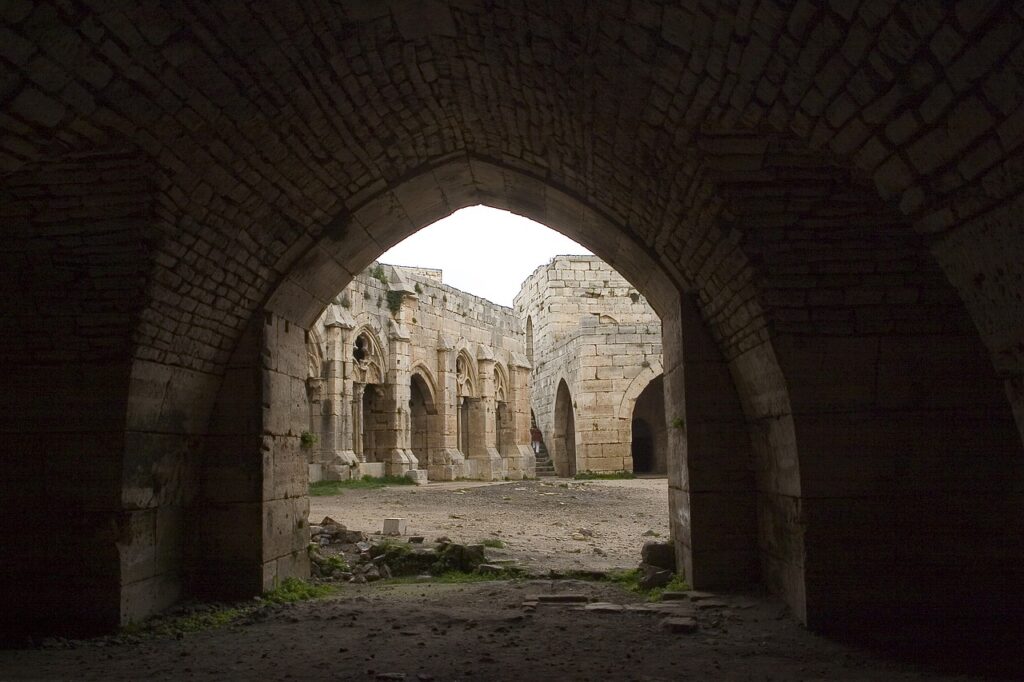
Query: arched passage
(649, 430)
(184, 235)
(563, 451)
(425, 431)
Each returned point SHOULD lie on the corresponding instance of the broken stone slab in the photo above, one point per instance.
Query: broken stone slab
(604, 607)
(566, 598)
(652, 576)
(711, 604)
(680, 625)
(394, 526)
(674, 609)
(673, 595)
(659, 554)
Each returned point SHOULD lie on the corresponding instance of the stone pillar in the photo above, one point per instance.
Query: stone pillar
(520, 458)
(358, 444)
(485, 463)
(446, 463)
(252, 520)
(394, 445)
(338, 455)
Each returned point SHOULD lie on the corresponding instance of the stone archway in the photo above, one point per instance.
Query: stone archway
(649, 430)
(563, 451)
(425, 432)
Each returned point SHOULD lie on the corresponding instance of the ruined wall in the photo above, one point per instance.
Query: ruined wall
(438, 359)
(592, 329)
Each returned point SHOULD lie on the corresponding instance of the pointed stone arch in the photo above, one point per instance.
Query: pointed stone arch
(466, 382)
(369, 359)
(419, 371)
(563, 452)
(624, 410)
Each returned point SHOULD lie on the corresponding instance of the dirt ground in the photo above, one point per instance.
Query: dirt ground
(490, 630)
(548, 524)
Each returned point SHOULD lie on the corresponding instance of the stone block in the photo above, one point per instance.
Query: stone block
(418, 476)
(395, 526)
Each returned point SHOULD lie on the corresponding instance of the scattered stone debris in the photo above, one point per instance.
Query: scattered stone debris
(339, 554)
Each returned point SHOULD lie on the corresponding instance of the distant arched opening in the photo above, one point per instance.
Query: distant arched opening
(565, 432)
(649, 443)
(420, 410)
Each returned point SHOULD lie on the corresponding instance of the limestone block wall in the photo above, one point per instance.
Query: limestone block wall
(430, 348)
(594, 331)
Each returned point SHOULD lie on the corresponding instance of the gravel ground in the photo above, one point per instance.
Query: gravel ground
(492, 630)
(547, 524)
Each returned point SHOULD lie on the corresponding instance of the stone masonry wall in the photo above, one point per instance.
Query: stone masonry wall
(454, 346)
(593, 330)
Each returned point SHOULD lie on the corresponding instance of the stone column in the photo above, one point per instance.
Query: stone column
(395, 449)
(485, 463)
(358, 446)
(337, 446)
(446, 463)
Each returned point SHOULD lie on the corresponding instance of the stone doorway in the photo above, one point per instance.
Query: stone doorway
(565, 432)
(422, 411)
(649, 442)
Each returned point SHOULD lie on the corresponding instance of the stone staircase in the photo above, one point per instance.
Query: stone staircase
(545, 467)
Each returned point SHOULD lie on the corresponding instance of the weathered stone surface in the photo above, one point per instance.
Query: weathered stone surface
(594, 344)
(401, 379)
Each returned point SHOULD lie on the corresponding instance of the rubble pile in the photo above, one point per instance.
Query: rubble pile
(339, 554)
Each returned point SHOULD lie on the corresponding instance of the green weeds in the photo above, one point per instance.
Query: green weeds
(325, 488)
(212, 616)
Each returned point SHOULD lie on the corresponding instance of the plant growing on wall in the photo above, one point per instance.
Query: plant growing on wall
(346, 302)
(419, 289)
(308, 439)
(377, 272)
(394, 301)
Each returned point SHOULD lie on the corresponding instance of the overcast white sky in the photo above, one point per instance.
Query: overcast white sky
(483, 251)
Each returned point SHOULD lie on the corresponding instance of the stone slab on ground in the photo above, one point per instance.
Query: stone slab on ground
(681, 625)
(569, 598)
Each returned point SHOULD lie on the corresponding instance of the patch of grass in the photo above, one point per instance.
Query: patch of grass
(630, 580)
(677, 584)
(493, 542)
(211, 616)
(458, 577)
(610, 476)
(292, 590)
(324, 488)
